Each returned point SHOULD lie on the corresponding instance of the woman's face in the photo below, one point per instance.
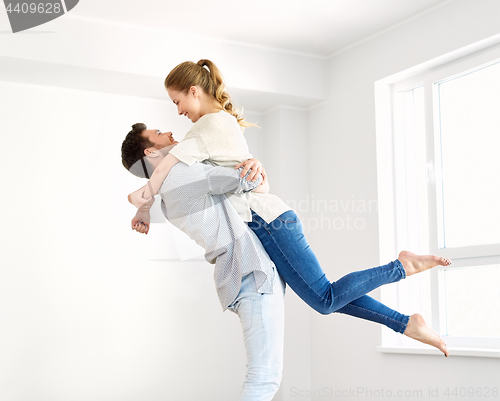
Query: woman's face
(188, 104)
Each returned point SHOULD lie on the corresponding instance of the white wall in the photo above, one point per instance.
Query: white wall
(85, 314)
(285, 155)
(342, 147)
(92, 310)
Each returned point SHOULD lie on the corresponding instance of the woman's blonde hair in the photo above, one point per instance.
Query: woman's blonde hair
(207, 76)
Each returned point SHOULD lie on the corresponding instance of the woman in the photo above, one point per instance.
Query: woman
(198, 91)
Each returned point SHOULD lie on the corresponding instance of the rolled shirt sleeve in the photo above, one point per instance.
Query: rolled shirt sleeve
(222, 180)
(206, 179)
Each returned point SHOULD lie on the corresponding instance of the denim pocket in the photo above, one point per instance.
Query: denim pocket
(288, 217)
(246, 311)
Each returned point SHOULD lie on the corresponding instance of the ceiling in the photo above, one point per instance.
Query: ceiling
(315, 27)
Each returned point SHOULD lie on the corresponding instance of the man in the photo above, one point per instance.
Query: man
(194, 200)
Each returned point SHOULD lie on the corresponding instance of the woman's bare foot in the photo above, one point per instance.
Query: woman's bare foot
(418, 330)
(414, 264)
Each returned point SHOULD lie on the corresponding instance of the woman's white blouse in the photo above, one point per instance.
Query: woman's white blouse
(219, 138)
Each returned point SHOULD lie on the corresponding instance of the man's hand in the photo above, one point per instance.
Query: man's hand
(141, 221)
(255, 166)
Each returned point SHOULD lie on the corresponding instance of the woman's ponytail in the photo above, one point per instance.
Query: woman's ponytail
(207, 76)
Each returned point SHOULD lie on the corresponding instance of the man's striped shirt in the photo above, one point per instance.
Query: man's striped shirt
(194, 200)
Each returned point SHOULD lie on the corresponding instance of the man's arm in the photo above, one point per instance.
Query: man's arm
(141, 196)
(221, 180)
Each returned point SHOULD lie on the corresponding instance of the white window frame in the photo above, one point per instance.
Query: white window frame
(432, 79)
(392, 203)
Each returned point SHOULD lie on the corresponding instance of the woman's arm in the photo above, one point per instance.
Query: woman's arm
(141, 220)
(135, 198)
(142, 195)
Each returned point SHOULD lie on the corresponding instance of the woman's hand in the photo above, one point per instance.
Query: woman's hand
(255, 166)
(141, 221)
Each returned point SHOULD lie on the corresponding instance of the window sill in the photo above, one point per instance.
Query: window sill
(454, 351)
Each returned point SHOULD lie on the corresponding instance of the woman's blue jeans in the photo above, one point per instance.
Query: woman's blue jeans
(297, 264)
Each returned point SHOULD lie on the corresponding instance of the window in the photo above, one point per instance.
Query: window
(468, 136)
(445, 171)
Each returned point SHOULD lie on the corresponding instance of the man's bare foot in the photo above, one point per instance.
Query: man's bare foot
(418, 330)
(414, 264)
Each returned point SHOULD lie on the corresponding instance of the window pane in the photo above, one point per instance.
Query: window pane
(472, 301)
(415, 294)
(415, 161)
(470, 145)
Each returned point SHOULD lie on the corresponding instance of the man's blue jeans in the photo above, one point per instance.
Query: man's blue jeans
(262, 320)
(287, 246)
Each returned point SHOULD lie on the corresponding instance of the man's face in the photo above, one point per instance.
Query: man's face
(158, 138)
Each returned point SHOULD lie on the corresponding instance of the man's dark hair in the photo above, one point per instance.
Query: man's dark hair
(133, 151)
